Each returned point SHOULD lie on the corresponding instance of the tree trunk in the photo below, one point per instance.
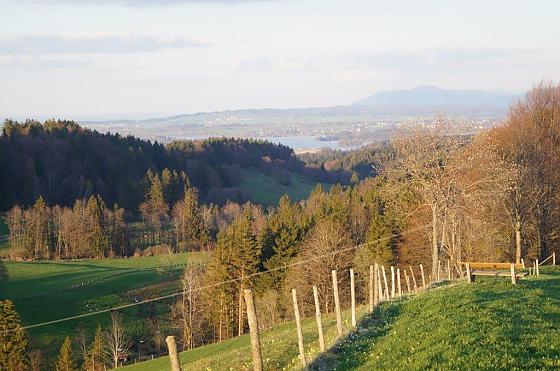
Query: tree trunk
(518, 239)
(435, 249)
(240, 311)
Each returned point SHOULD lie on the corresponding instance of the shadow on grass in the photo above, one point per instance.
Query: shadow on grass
(372, 327)
(3, 278)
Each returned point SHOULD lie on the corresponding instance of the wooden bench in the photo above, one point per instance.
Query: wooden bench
(494, 270)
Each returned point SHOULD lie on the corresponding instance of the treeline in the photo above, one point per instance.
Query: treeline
(60, 161)
(89, 229)
(172, 221)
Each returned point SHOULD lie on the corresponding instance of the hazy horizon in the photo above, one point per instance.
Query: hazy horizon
(92, 58)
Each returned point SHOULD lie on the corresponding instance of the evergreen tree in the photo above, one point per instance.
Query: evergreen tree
(237, 256)
(379, 244)
(13, 340)
(95, 359)
(39, 229)
(187, 219)
(65, 361)
(355, 179)
(155, 208)
(97, 238)
(282, 237)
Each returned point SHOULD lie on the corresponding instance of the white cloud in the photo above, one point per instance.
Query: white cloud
(136, 2)
(56, 44)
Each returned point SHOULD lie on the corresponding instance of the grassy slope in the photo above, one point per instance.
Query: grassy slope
(44, 291)
(268, 190)
(488, 325)
(279, 347)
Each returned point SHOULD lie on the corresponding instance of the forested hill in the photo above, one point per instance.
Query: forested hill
(62, 162)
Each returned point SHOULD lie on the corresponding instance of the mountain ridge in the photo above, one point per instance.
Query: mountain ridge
(431, 95)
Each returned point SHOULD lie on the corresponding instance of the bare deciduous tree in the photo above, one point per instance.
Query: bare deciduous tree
(117, 343)
(187, 313)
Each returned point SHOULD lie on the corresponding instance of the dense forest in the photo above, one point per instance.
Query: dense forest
(61, 162)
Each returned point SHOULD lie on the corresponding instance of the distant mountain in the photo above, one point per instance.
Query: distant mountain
(436, 96)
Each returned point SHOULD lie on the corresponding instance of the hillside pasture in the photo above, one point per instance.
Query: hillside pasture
(49, 290)
(488, 325)
(279, 348)
(267, 190)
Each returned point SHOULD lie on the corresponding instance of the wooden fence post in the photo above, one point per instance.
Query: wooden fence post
(554, 258)
(353, 297)
(537, 266)
(318, 319)
(423, 277)
(370, 289)
(407, 281)
(173, 355)
(523, 263)
(379, 285)
(253, 330)
(438, 271)
(469, 275)
(298, 327)
(385, 280)
(448, 270)
(337, 304)
(392, 282)
(373, 291)
(513, 278)
(413, 278)
(399, 281)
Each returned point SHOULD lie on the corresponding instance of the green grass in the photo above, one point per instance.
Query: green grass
(49, 290)
(488, 325)
(267, 190)
(279, 348)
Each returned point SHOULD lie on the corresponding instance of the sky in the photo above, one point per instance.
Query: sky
(87, 58)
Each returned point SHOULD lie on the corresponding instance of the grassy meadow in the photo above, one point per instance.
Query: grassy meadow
(488, 325)
(48, 290)
(268, 190)
(279, 347)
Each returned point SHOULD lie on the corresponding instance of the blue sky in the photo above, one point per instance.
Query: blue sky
(88, 57)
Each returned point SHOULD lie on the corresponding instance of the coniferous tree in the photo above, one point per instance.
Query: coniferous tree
(155, 208)
(13, 340)
(378, 247)
(237, 256)
(65, 361)
(39, 229)
(187, 219)
(281, 238)
(95, 358)
(97, 238)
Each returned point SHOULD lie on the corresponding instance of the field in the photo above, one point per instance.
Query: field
(487, 325)
(490, 324)
(279, 347)
(49, 290)
(267, 190)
